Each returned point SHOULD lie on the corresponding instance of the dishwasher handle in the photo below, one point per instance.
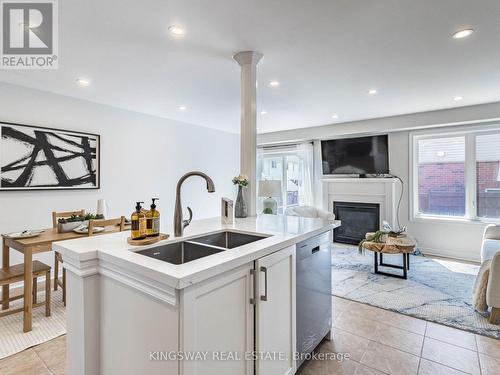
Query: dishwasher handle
(315, 249)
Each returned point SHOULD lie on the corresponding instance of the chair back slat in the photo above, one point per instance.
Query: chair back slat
(57, 215)
(105, 223)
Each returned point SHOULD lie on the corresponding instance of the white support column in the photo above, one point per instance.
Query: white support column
(82, 319)
(248, 61)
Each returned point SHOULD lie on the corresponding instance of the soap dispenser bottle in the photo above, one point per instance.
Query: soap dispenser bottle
(138, 223)
(153, 220)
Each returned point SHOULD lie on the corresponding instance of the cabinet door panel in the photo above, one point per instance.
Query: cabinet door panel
(217, 317)
(275, 312)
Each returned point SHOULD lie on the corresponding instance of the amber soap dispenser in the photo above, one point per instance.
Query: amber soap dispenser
(138, 219)
(153, 220)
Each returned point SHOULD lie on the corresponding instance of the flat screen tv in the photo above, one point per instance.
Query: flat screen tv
(361, 156)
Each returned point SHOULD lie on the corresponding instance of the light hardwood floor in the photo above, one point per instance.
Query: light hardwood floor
(377, 341)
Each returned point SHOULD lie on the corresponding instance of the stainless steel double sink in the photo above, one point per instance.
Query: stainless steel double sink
(199, 247)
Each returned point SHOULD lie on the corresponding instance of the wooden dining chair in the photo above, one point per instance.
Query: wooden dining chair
(106, 223)
(15, 274)
(57, 256)
(58, 215)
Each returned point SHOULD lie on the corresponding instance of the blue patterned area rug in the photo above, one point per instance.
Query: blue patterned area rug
(436, 290)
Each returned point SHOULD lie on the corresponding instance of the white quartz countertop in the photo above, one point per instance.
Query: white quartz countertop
(112, 250)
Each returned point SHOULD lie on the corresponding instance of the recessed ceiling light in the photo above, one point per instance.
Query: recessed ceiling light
(274, 83)
(176, 30)
(460, 34)
(335, 116)
(85, 82)
(263, 112)
(372, 91)
(182, 108)
(458, 98)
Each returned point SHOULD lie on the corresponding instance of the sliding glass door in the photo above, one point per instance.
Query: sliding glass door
(292, 166)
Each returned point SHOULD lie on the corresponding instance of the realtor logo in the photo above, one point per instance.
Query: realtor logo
(28, 34)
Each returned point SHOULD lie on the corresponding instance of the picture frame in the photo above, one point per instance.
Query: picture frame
(43, 158)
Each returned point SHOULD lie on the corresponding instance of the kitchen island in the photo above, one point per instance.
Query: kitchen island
(218, 300)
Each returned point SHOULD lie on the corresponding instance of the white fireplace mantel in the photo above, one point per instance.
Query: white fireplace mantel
(362, 190)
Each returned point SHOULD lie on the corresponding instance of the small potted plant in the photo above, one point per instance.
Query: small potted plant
(240, 208)
(67, 224)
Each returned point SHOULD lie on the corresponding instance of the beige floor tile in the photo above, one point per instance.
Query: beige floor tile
(451, 335)
(405, 322)
(59, 369)
(328, 367)
(26, 362)
(347, 343)
(450, 355)
(400, 339)
(366, 311)
(336, 314)
(488, 346)
(390, 360)
(341, 304)
(433, 368)
(359, 326)
(362, 306)
(489, 365)
(53, 354)
(364, 370)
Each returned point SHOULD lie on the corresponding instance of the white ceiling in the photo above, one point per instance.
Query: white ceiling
(325, 53)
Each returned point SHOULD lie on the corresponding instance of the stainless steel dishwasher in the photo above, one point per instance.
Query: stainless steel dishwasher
(314, 297)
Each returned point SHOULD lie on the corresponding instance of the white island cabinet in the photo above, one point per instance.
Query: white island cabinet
(232, 312)
(275, 315)
(219, 317)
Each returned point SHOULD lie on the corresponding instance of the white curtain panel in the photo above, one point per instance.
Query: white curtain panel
(306, 152)
(258, 205)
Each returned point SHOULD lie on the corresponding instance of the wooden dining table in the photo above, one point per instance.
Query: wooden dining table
(28, 247)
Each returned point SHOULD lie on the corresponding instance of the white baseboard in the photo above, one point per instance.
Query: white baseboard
(449, 254)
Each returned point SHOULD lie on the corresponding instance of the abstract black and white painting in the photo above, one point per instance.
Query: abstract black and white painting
(35, 158)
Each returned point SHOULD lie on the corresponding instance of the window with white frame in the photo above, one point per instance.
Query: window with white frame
(292, 165)
(456, 174)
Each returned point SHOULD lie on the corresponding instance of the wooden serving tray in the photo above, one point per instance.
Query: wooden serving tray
(147, 240)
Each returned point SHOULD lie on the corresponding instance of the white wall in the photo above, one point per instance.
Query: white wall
(445, 238)
(446, 117)
(141, 157)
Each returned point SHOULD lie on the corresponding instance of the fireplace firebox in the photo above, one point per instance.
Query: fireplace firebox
(357, 219)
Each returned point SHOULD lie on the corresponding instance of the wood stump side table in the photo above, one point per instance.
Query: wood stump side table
(391, 245)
